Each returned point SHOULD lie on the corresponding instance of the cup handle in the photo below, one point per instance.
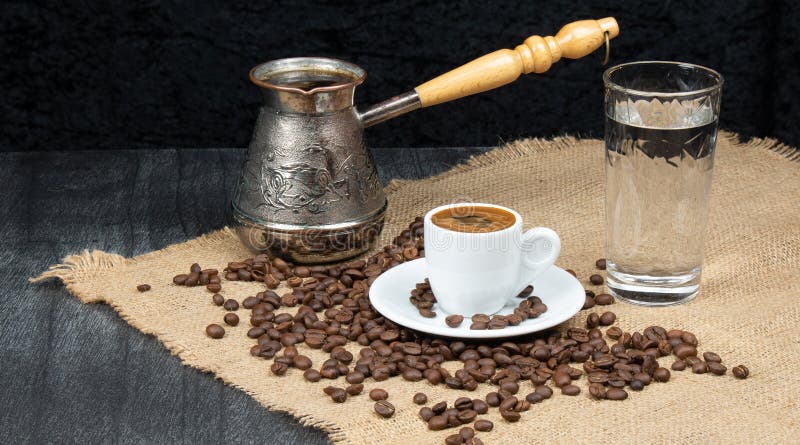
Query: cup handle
(540, 249)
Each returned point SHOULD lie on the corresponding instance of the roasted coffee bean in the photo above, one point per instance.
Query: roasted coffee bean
(661, 375)
(354, 377)
(711, 357)
(684, 350)
(467, 416)
(545, 391)
(231, 319)
(278, 368)
(143, 287)
(510, 386)
(740, 372)
(570, 390)
(493, 399)
(717, 368)
(478, 325)
(427, 313)
(616, 394)
(678, 365)
(700, 367)
(454, 320)
(218, 299)
(614, 332)
(600, 264)
(426, 413)
(214, 287)
(378, 394)
(466, 433)
(483, 318)
(636, 385)
(215, 331)
(596, 279)
(608, 318)
(255, 332)
(483, 425)
(463, 403)
(384, 409)
(604, 299)
(437, 423)
(592, 320)
(511, 416)
(453, 439)
(534, 397)
(588, 303)
(301, 362)
(354, 390)
(231, 305)
(312, 375)
(180, 280)
(420, 398)
(480, 406)
(498, 322)
(412, 375)
(508, 403)
(338, 395)
(597, 390)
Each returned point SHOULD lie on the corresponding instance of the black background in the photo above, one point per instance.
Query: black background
(122, 74)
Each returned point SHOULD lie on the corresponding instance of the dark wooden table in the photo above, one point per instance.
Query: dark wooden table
(74, 373)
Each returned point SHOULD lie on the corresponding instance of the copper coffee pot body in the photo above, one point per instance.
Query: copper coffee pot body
(308, 191)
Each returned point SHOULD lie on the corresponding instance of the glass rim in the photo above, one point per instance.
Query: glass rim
(615, 86)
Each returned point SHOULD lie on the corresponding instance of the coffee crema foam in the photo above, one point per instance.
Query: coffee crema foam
(473, 219)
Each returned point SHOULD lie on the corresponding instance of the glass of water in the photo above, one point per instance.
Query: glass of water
(660, 132)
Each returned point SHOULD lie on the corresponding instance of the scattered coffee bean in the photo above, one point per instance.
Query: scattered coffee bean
(338, 395)
(570, 390)
(740, 372)
(378, 394)
(636, 385)
(479, 325)
(214, 287)
(279, 368)
(454, 439)
(711, 357)
(616, 394)
(231, 305)
(420, 398)
(608, 318)
(354, 390)
(483, 425)
(143, 287)
(231, 319)
(700, 367)
(180, 279)
(678, 365)
(215, 331)
(427, 313)
(312, 375)
(604, 299)
(592, 321)
(661, 375)
(384, 409)
(218, 299)
(717, 368)
(466, 433)
(426, 413)
(600, 264)
(596, 279)
(454, 320)
(437, 423)
(511, 416)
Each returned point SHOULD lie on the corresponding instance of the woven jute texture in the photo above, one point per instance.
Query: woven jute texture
(748, 310)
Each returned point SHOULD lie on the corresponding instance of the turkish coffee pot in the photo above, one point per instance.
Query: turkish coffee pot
(309, 192)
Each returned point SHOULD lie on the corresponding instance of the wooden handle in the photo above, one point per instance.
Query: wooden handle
(535, 55)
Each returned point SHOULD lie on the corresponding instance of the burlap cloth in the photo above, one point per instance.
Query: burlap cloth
(748, 310)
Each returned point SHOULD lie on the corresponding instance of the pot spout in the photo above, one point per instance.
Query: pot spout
(390, 108)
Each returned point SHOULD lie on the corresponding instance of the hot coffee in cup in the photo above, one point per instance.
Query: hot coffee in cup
(478, 257)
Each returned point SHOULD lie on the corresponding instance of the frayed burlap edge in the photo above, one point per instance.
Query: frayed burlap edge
(80, 267)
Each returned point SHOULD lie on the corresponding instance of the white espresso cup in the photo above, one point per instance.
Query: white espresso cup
(477, 273)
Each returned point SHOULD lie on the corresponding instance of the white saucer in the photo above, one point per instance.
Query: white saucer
(560, 291)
